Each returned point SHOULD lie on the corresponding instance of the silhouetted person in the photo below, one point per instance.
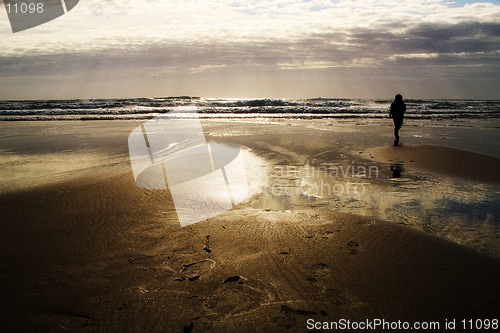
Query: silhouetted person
(397, 113)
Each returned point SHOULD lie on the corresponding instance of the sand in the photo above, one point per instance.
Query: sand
(95, 253)
(442, 160)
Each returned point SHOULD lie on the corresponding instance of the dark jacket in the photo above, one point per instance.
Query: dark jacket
(398, 110)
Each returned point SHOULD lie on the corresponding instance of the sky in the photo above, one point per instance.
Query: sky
(257, 49)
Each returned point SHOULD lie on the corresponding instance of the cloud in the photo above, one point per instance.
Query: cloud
(188, 37)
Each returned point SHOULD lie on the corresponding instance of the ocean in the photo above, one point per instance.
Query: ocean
(144, 108)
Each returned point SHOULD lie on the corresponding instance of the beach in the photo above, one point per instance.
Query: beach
(338, 225)
(217, 166)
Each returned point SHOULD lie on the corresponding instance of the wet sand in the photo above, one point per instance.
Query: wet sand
(92, 252)
(442, 160)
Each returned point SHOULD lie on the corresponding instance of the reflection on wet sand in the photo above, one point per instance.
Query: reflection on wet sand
(22, 171)
(396, 192)
(396, 170)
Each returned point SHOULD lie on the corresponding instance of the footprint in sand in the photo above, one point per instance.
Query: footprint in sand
(323, 292)
(367, 222)
(330, 234)
(193, 271)
(353, 247)
(287, 317)
(321, 269)
(233, 279)
(234, 297)
(72, 321)
(151, 288)
(198, 324)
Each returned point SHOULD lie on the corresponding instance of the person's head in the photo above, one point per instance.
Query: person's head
(398, 98)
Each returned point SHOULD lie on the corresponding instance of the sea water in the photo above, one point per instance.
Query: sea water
(139, 108)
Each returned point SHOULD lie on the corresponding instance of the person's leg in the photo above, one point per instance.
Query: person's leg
(397, 126)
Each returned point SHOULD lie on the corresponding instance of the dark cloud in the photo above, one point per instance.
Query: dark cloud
(463, 37)
(461, 30)
(466, 44)
(427, 38)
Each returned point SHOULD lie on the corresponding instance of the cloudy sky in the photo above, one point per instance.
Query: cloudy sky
(257, 48)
